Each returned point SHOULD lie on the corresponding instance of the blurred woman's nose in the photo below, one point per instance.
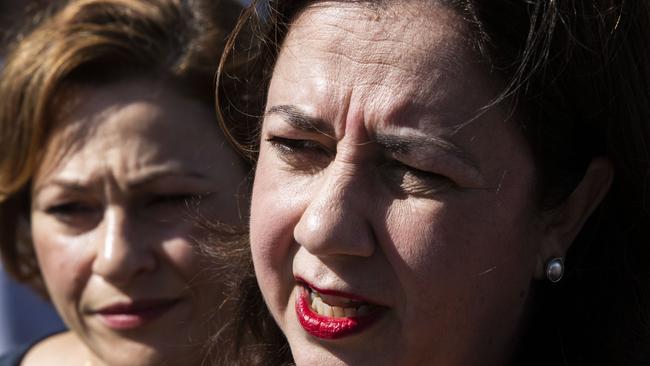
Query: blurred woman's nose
(122, 252)
(337, 218)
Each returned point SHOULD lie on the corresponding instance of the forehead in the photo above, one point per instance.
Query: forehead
(128, 107)
(129, 124)
(421, 32)
(394, 59)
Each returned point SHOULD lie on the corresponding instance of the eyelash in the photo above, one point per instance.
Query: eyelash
(175, 199)
(309, 156)
(418, 182)
(296, 144)
(304, 155)
(68, 208)
(74, 213)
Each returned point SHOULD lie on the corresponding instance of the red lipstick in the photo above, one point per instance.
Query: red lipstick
(330, 327)
(121, 316)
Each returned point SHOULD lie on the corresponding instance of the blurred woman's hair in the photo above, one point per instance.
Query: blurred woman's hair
(78, 43)
(577, 78)
(92, 42)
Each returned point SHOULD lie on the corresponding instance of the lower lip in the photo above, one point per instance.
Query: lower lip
(131, 320)
(327, 327)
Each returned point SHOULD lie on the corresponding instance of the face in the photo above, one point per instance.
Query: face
(127, 168)
(391, 223)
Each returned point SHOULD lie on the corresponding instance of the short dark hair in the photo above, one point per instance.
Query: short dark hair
(577, 74)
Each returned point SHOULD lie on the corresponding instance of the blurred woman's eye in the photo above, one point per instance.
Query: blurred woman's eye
(306, 156)
(73, 213)
(170, 208)
(416, 182)
(177, 200)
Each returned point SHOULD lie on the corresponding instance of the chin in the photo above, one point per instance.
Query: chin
(307, 352)
(317, 356)
(128, 353)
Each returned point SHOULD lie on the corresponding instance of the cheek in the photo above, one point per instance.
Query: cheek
(193, 271)
(277, 203)
(183, 258)
(464, 240)
(65, 263)
(466, 259)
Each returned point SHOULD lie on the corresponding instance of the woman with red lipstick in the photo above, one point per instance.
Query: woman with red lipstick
(454, 183)
(109, 150)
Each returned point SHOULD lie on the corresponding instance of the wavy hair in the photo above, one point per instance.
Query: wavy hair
(92, 42)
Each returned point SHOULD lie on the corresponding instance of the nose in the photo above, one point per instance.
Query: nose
(337, 218)
(122, 253)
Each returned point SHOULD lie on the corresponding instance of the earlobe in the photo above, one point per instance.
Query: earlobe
(565, 221)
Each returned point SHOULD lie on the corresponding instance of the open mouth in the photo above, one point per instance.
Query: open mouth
(337, 306)
(332, 315)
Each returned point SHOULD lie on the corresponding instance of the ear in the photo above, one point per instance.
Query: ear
(562, 224)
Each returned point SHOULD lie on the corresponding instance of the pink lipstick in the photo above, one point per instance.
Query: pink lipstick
(121, 316)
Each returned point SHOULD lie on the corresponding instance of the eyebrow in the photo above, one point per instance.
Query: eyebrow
(392, 144)
(402, 145)
(133, 183)
(67, 184)
(300, 120)
(162, 172)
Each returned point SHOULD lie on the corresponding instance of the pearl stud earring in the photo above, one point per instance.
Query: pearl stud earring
(555, 269)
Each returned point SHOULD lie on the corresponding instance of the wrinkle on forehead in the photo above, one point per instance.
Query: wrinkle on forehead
(383, 62)
(71, 127)
(126, 134)
(378, 30)
(367, 42)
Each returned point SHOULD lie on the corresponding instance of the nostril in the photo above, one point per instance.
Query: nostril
(124, 264)
(336, 218)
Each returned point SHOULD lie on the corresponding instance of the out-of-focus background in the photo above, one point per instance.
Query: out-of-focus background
(24, 316)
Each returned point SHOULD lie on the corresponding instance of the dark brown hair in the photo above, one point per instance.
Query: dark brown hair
(578, 72)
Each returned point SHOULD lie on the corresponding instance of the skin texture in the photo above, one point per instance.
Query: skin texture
(389, 195)
(112, 222)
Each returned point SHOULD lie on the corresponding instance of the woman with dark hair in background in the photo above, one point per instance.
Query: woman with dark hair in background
(451, 183)
(109, 150)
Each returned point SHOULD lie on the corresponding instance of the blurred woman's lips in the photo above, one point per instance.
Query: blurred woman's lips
(129, 315)
(331, 314)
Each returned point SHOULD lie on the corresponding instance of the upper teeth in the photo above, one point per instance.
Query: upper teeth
(325, 309)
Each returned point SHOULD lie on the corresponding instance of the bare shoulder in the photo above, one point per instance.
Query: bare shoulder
(59, 349)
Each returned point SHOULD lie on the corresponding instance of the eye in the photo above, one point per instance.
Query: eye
(306, 156)
(73, 213)
(416, 182)
(178, 199)
(169, 208)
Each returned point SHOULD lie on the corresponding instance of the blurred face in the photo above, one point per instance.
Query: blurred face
(126, 168)
(389, 226)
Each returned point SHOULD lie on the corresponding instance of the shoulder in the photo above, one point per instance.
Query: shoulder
(58, 349)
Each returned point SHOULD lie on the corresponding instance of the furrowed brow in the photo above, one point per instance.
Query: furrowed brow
(76, 186)
(300, 120)
(143, 180)
(394, 144)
